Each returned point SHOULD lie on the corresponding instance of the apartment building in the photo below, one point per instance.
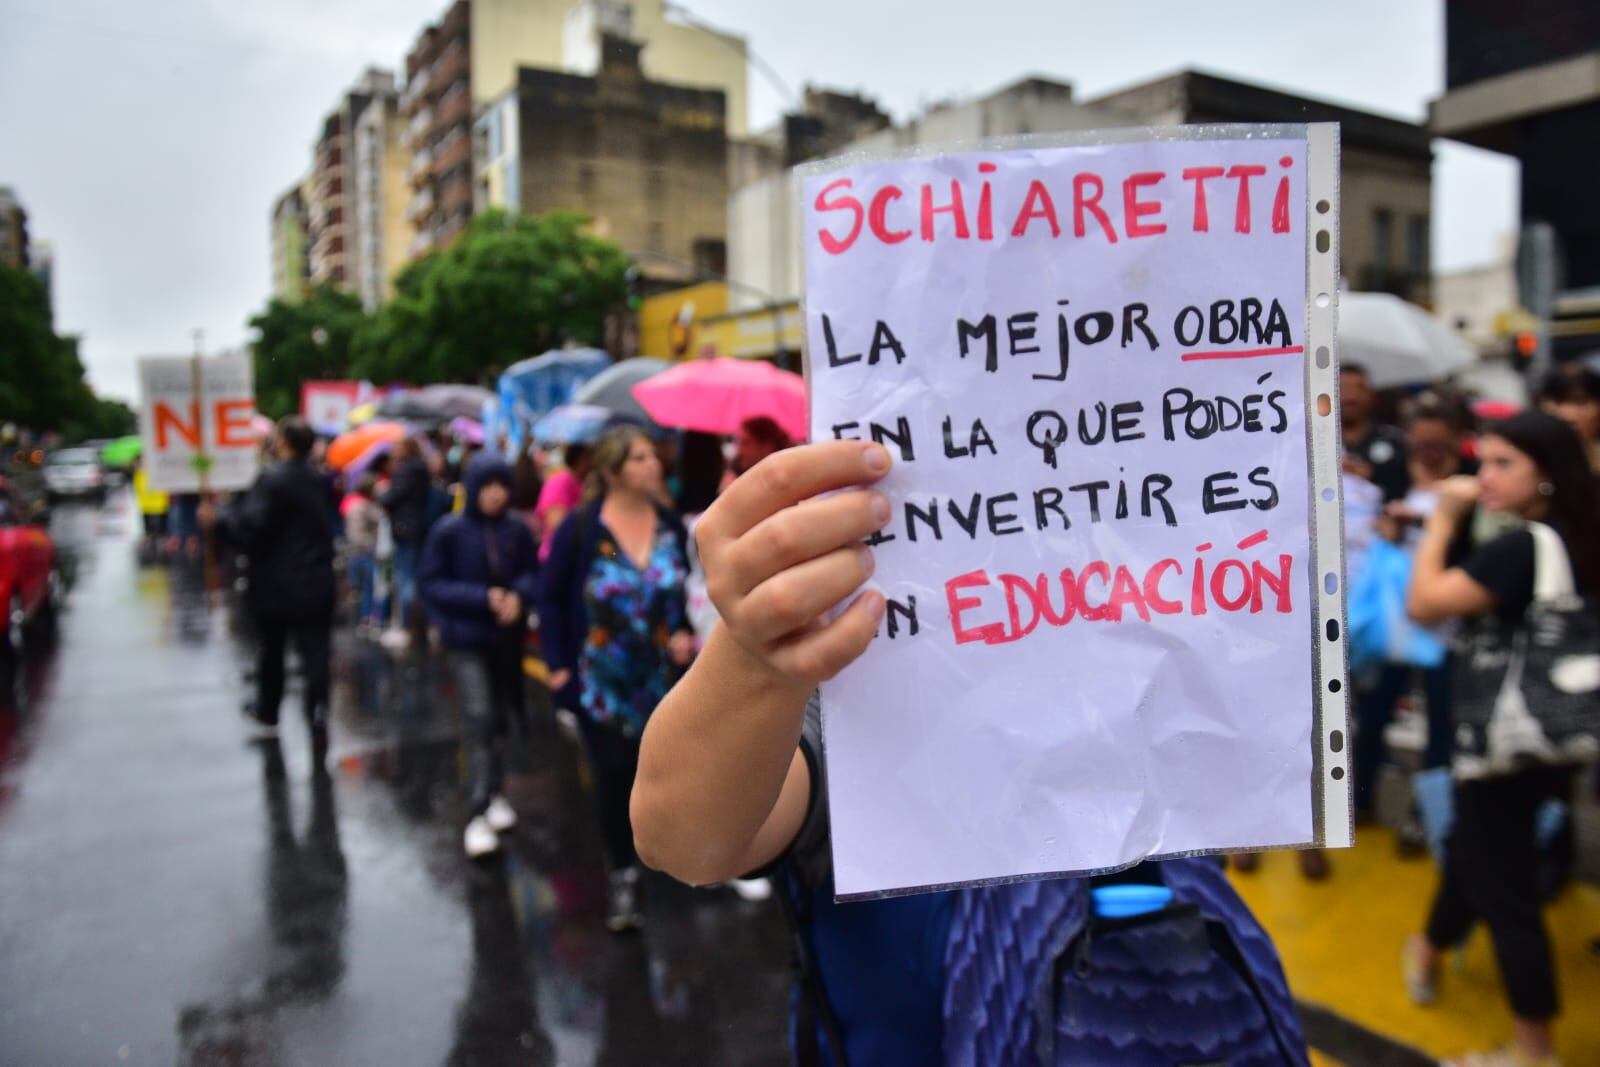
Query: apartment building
(13, 229)
(1385, 168)
(356, 195)
(472, 57)
(291, 245)
(648, 161)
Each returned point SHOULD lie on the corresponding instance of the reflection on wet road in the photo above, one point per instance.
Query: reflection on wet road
(172, 893)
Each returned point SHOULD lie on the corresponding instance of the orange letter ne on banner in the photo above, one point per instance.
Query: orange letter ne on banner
(166, 417)
(233, 424)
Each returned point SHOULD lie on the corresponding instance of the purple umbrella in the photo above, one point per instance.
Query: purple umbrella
(469, 431)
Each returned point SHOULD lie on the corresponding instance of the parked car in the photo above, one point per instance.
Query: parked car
(74, 472)
(28, 582)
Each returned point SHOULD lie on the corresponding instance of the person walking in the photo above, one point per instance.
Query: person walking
(153, 505)
(407, 502)
(616, 631)
(477, 577)
(286, 530)
(363, 522)
(1373, 450)
(1572, 393)
(560, 493)
(1534, 466)
(756, 439)
(1433, 445)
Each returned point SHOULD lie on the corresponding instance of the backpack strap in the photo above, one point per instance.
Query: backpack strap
(812, 1010)
(1552, 567)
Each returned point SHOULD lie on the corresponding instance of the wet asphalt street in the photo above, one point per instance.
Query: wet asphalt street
(170, 893)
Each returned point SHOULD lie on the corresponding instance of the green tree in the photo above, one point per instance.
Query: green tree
(511, 286)
(42, 382)
(304, 341)
(110, 418)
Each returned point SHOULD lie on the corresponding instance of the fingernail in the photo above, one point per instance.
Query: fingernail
(877, 459)
(868, 563)
(880, 508)
(875, 604)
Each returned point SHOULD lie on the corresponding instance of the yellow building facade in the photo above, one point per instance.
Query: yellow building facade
(695, 323)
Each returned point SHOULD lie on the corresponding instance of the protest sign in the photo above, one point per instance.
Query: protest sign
(327, 405)
(195, 417)
(1104, 370)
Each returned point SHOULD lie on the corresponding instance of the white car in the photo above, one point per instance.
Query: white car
(74, 472)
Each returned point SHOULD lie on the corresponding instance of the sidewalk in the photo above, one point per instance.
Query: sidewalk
(1340, 942)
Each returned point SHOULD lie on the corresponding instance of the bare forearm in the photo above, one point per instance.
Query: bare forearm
(713, 764)
(1428, 567)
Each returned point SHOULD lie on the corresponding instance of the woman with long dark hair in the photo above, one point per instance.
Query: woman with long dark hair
(1533, 466)
(616, 630)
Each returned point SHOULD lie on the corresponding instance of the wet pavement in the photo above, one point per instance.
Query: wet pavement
(170, 893)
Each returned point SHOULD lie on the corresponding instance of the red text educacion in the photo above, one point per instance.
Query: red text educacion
(1103, 592)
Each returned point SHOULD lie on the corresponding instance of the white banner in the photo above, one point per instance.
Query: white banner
(195, 443)
(1093, 366)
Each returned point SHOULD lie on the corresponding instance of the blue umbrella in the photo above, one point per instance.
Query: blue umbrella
(572, 424)
(532, 387)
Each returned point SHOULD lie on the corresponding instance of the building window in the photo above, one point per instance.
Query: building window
(1382, 233)
(1417, 246)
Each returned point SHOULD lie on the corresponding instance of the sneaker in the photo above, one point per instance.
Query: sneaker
(622, 901)
(1422, 981)
(1509, 1056)
(256, 729)
(480, 839)
(500, 815)
(752, 889)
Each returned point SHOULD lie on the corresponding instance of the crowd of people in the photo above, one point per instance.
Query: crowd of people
(683, 615)
(1470, 501)
(578, 557)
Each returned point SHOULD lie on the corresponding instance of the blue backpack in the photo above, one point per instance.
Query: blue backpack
(1032, 976)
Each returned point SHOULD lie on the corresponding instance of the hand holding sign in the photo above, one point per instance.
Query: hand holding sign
(778, 556)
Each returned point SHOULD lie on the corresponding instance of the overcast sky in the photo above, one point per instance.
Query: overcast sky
(147, 139)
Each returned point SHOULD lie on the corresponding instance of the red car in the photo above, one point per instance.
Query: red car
(27, 580)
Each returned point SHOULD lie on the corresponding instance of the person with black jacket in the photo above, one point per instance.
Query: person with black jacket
(614, 621)
(477, 579)
(285, 529)
(406, 500)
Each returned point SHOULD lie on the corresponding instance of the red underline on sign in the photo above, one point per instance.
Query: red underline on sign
(1244, 353)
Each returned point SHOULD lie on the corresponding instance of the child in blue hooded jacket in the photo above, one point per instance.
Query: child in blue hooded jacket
(477, 579)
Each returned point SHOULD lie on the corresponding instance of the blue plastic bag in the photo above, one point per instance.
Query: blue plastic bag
(1380, 630)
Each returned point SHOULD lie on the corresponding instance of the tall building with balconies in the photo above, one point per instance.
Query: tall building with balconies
(291, 251)
(329, 261)
(471, 58)
(13, 230)
(355, 204)
(379, 194)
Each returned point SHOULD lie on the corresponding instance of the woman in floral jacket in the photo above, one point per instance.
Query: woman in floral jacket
(615, 629)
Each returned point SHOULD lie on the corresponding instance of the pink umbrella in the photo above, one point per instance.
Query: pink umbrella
(716, 395)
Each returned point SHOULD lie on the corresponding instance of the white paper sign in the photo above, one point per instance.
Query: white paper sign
(1091, 364)
(198, 443)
